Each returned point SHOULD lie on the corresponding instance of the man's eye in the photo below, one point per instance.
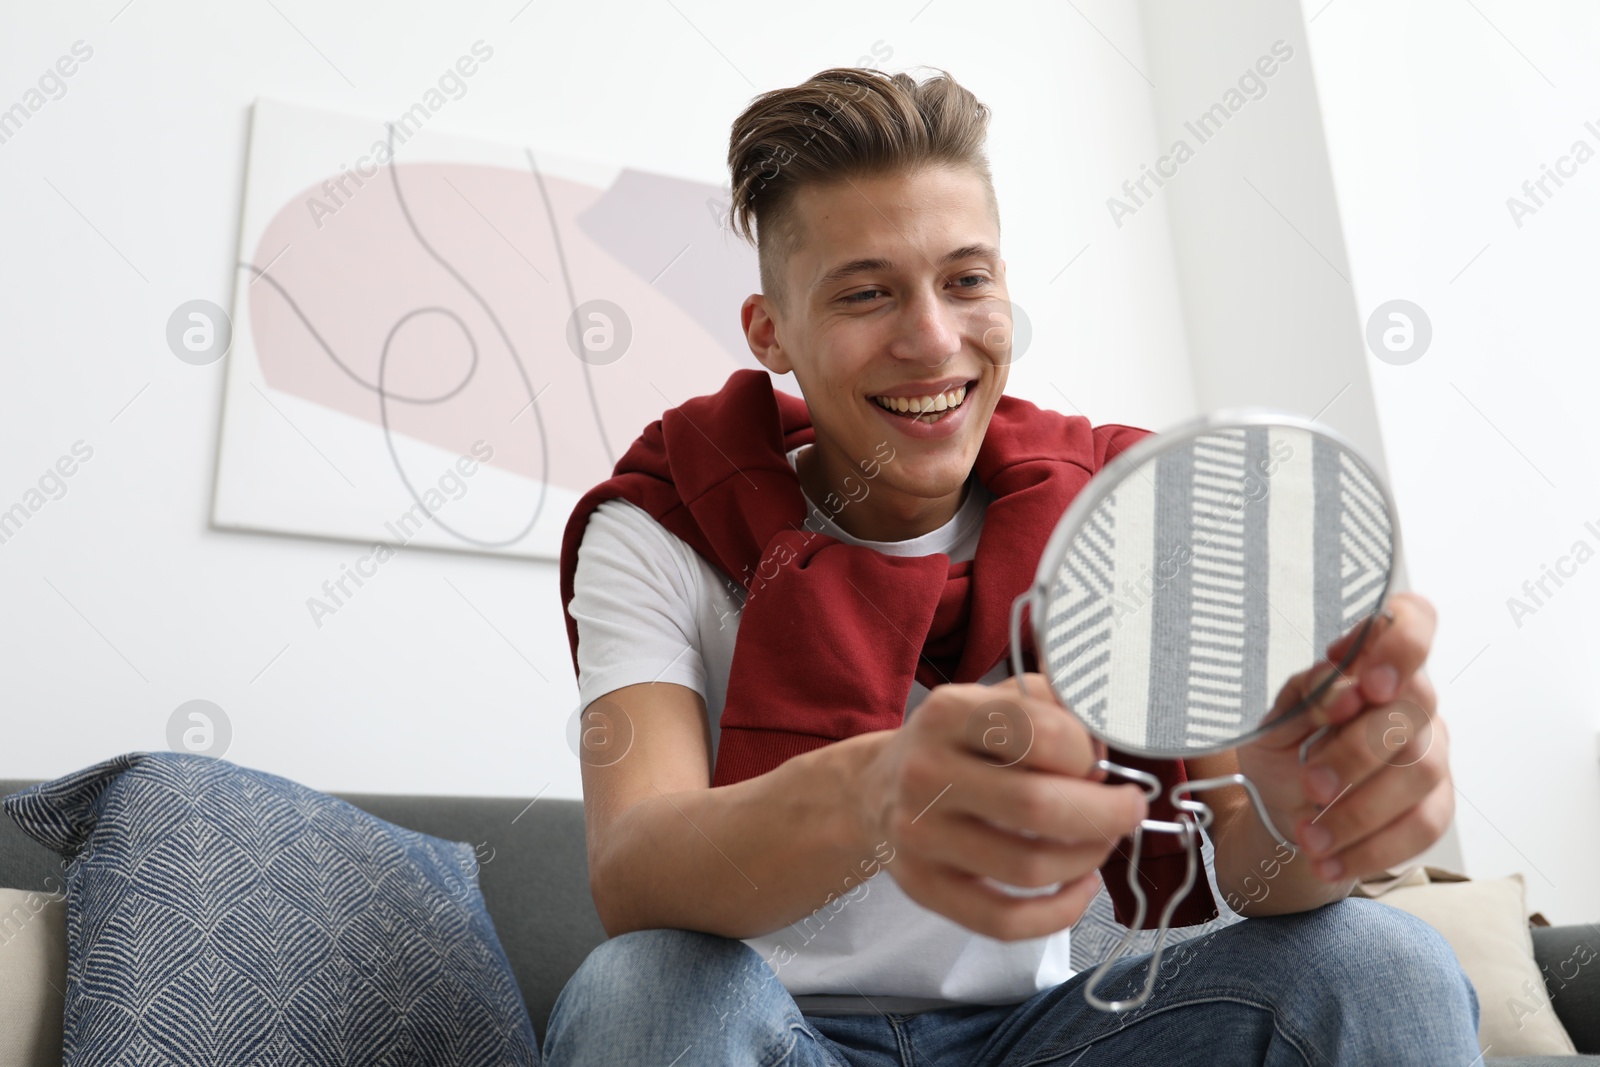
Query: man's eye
(979, 281)
(855, 298)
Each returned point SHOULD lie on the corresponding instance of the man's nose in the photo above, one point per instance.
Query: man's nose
(929, 331)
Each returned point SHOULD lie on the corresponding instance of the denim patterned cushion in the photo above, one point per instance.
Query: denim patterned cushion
(219, 915)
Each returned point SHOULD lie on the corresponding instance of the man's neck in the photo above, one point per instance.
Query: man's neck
(868, 509)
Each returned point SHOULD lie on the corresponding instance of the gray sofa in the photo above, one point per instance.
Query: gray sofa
(534, 876)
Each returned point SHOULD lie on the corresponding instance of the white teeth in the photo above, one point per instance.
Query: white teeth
(924, 404)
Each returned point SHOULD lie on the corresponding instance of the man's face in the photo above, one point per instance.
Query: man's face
(897, 291)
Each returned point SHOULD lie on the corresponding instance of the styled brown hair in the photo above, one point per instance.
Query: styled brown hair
(842, 123)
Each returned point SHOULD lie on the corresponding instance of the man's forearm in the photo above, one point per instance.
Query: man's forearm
(746, 859)
(1258, 876)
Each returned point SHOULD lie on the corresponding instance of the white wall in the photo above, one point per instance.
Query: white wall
(1270, 313)
(1255, 227)
(121, 603)
(1436, 113)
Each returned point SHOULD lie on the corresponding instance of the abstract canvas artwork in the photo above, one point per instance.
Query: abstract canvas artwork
(445, 341)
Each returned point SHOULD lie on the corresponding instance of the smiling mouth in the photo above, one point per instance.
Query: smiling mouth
(926, 409)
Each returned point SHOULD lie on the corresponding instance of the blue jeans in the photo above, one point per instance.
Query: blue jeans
(1353, 982)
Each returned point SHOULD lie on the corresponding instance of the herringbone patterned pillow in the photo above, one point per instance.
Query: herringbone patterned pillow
(218, 915)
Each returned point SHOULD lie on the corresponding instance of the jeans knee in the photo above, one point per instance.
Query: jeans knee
(701, 986)
(664, 962)
(1387, 958)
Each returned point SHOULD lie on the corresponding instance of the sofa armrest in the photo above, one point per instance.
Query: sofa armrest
(24, 863)
(1569, 957)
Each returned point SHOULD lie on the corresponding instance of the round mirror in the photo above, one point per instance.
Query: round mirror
(1201, 570)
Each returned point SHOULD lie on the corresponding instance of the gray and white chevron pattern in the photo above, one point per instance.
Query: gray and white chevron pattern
(222, 916)
(1207, 578)
(1078, 626)
(1365, 540)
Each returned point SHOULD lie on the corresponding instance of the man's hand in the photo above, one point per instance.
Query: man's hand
(982, 781)
(1376, 789)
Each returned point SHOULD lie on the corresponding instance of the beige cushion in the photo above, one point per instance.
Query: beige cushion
(33, 977)
(1486, 922)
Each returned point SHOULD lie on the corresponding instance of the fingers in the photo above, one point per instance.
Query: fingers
(1417, 827)
(1372, 772)
(1336, 703)
(1395, 650)
(942, 781)
(1011, 729)
(997, 782)
(1402, 733)
(980, 907)
(1067, 810)
(1340, 648)
(1392, 655)
(976, 847)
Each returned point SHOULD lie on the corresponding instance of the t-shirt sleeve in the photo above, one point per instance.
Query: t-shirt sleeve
(634, 598)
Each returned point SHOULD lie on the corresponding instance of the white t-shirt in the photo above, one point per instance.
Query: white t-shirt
(649, 608)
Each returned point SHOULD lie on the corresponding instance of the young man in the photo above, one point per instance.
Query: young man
(787, 619)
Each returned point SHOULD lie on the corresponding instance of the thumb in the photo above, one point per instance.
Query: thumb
(1292, 722)
(1076, 896)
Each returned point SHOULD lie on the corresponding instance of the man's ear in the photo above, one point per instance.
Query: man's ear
(761, 334)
